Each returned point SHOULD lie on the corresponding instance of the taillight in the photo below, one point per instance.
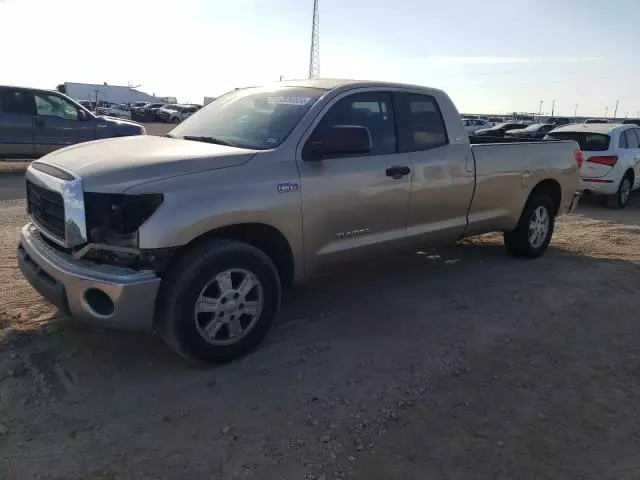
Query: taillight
(609, 160)
(578, 157)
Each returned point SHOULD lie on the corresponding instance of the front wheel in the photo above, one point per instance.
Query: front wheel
(218, 301)
(533, 233)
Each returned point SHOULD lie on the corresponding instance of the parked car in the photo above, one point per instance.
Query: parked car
(632, 121)
(139, 107)
(120, 111)
(176, 113)
(537, 130)
(87, 104)
(525, 118)
(35, 122)
(499, 130)
(595, 120)
(195, 233)
(558, 121)
(612, 159)
(154, 112)
(472, 125)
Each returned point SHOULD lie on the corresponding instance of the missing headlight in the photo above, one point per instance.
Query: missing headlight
(117, 217)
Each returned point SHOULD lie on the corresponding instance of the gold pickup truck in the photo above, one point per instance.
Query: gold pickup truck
(194, 234)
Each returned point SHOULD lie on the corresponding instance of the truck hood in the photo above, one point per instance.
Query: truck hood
(117, 121)
(115, 165)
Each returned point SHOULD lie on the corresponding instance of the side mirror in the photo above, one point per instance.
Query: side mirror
(338, 140)
(82, 116)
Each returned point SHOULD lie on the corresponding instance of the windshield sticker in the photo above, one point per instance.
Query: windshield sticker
(271, 140)
(300, 101)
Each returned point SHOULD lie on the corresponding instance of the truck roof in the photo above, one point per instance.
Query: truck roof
(605, 128)
(334, 83)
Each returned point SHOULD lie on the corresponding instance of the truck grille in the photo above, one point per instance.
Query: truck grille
(46, 208)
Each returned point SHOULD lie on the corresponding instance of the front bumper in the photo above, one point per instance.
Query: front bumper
(103, 294)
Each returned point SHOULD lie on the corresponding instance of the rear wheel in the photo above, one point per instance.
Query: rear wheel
(533, 233)
(621, 197)
(218, 301)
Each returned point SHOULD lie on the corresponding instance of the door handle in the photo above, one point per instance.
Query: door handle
(398, 171)
(38, 122)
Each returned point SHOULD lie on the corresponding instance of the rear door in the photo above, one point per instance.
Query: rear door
(57, 124)
(633, 146)
(442, 170)
(16, 122)
(353, 204)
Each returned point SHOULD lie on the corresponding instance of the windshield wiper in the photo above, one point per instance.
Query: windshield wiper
(216, 140)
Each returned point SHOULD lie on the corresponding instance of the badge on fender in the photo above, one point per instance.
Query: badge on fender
(288, 187)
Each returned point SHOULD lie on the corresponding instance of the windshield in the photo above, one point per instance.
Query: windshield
(259, 118)
(588, 142)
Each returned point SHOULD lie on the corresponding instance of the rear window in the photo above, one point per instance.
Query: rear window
(589, 142)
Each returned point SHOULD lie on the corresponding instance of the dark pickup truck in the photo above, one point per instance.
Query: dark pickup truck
(36, 122)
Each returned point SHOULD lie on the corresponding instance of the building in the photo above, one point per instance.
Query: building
(107, 94)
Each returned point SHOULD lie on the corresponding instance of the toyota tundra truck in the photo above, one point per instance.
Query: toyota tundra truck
(193, 235)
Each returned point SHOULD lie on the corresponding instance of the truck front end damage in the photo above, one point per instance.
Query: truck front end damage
(80, 250)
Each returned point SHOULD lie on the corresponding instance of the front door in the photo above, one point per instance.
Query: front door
(16, 123)
(58, 124)
(353, 204)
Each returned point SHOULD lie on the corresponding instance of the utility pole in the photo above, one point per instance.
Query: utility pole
(553, 107)
(575, 111)
(638, 113)
(314, 55)
(540, 109)
(130, 87)
(606, 110)
(616, 110)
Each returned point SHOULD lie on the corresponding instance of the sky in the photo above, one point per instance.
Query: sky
(494, 56)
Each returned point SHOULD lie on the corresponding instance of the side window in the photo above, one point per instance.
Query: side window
(370, 110)
(637, 133)
(622, 143)
(54, 106)
(422, 125)
(632, 140)
(17, 101)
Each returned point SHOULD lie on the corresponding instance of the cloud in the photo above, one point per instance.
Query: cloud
(455, 60)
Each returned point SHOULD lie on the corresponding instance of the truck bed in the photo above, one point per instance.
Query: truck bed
(507, 168)
(478, 140)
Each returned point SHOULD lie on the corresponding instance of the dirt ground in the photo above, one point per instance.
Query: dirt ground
(458, 364)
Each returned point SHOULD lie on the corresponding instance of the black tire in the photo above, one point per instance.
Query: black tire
(185, 280)
(620, 199)
(518, 242)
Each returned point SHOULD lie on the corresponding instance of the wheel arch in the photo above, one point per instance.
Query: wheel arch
(552, 189)
(266, 238)
(631, 174)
